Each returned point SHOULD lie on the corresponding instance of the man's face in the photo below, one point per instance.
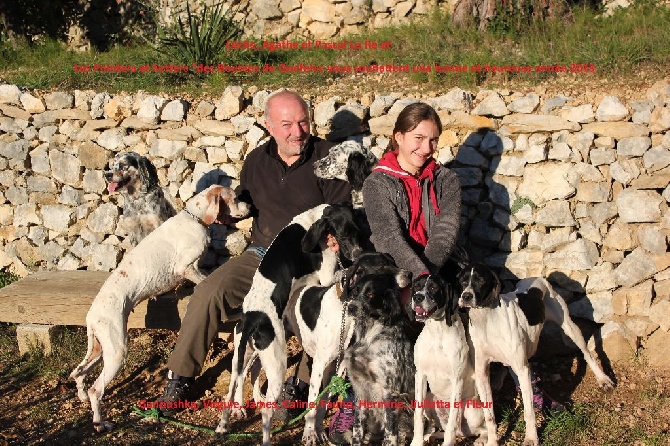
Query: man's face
(288, 123)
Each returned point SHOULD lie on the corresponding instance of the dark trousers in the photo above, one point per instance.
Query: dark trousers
(212, 301)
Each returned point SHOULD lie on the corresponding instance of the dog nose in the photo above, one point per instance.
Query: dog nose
(467, 296)
(108, 176)
(356, 253)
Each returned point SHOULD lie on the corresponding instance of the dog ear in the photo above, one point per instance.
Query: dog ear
(148, 173)
(213, 203)
(451, 303)
(310, 242)
(358, 169)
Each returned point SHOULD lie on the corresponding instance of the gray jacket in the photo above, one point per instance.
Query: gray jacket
(387, 211)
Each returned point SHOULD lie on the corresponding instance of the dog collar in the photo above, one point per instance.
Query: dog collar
(198, 219)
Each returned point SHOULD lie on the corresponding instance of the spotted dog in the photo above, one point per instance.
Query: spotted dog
(315, 314)
(298, 250)
(443, 361)
(145, 206)
(379, 363)
(159, 263)
(506, 328)
(347, 161)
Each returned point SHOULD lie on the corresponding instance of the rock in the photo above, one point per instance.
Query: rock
(620, 237)
(546, 181)
(10, 94)
(508, 165)
(522, 123)
(210, 127)
(174, 110)
(32, 104)
(633, 146)
(526, 104)
(57, 217)
(103, 219)
(601, 278)
(596, 307)
(639, 206)
(625, 170)
(266, 10)
(230, 103)
(381, 105)
(660, 314)
(659, 121)
(455, 99)
(112, 139)
(611, 109)
(102, 257)
(555, 213)
(657, 350)
(319, 10)
(619, 345)
(150, 109)
(65, 168)
(618, 130)
(576, 256)
(636, 267)
(656, 158)
(581, 114)
(59, 100)
(492, 105)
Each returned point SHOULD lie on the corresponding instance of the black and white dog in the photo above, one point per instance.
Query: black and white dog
(506, 328)
(145, 206)
(317, 316)
(379, 363)
(298, 250)
(444, 361)
(348, 161)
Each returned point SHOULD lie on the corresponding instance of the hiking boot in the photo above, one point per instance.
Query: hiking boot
(176, 393)
(340, 428)
(294, 391)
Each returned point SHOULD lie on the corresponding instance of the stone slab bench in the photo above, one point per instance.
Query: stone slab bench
(57, 298)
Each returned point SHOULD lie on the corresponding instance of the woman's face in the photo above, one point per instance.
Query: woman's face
(417, 146)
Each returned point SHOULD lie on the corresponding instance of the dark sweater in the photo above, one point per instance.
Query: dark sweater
(278, 192)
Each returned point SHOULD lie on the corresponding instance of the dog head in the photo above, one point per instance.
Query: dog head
(338, 221)
(376, 297)
(432, 298)
(216, 202)
(480, 287)
(131, 174)
(374, 263)
(347, 161)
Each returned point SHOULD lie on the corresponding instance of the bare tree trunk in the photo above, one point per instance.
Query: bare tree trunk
(477, 12)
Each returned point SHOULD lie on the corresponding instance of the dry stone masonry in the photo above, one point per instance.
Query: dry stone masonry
(577, 192)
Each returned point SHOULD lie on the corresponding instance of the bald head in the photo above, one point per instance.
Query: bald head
(287, 121)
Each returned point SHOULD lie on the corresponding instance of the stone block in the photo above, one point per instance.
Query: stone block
(36, 336)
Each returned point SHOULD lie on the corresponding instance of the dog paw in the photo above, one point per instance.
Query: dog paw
(103, 426)
(239, 413)
(606, 384)
(310, 438)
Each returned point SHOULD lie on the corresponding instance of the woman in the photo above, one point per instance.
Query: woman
(414, 203)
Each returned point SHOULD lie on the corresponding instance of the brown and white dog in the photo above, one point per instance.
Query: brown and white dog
(159, 263)
(506, 328)
(145, 206)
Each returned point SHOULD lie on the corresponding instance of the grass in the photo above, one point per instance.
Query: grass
(631, 40)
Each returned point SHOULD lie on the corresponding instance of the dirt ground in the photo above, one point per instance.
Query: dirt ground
(40, 406)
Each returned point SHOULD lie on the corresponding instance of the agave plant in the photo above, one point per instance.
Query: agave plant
(199, 38)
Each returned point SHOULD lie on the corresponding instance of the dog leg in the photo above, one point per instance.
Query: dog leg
(455, 413)
(360, 418)
(523, 373)
(273, 360)
(113, 361)
(420, 389)
(235, 386)
(93, 355)
(557, 310)
(390, 423)
(193, 274)
(483, 384)
(312, 436)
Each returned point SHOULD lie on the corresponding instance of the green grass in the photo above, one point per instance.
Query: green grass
(567, 427)
(633, 39)
(7, 278)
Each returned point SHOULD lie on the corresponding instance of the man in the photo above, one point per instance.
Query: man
(278, 181)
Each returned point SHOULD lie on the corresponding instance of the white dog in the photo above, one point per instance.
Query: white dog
(506, 328)
(159, 263)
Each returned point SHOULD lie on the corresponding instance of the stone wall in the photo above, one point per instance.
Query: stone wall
(315, 19)
(552, 185)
